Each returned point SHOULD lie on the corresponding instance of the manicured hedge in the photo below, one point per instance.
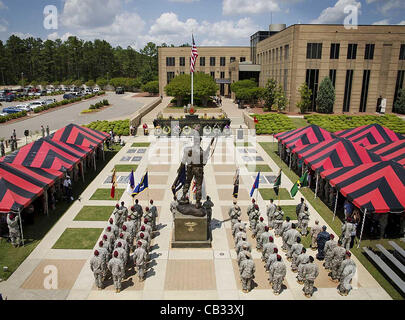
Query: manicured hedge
(13, 116)
(273, 123)
(120, 127)
(334, 123)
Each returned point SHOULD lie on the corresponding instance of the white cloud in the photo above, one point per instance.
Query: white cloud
(22, 35)
(382, 22)
(2, 5)
(90, 13)
(402, 23)
(387, 5)
(169, 29)
(336, 13)
(53, 36)
(230, 7)
(3, 25)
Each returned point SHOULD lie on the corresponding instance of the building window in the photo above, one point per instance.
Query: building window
(222, 61)
(334, 50)
(242, 59)
(202, 61)
(213, 74)
(182, 61)
(276, 54)
(332, 76)
(285, 79)
(352, 51)
(348, 90)
(286, 52)
(281, 53)
(399, 85)
(233, 59)
(364, 90)
(402, 52)
(369, 52)
(312, 78)
(212, 61)
(314, 50)
(170, 76)
(170, 61)
(222, 75)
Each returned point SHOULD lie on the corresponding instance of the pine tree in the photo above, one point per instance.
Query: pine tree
(305, 101)
(326, 96)
(399, 106)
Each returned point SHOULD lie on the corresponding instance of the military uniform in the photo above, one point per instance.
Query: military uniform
(97, 266)
(253, 218)
(284, 228)
(247, 270)
(263, 239)
(239, 236)
(138, 214)
(259, 229)
(131, 229)
(140, 258)
(347, 229)
(236, 226)
(323, 236)
(278, 271)
(116, 266)
(347, 270)
(310, 272)
(270, 260)
(241, 256)
(240, 244)
(146, 236)
(268, 249)
(278, 221)
(119, 218)
(304, 223)
(338, 255)
(299, 210)
(315, 230)
(271, 209)
(300, 262)
(291, 238)
(296, 250)
(234, 213)
(14, 230)
(329, 246)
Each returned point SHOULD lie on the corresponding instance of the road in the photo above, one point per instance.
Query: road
(122, 106)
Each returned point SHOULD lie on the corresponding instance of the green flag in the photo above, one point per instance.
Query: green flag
(302, 182)
(277, 183)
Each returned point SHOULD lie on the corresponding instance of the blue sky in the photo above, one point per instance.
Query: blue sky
(214, 22)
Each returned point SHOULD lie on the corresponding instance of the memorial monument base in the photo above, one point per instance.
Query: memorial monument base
(190, 232)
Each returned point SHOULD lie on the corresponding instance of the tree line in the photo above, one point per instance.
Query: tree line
(26, 61)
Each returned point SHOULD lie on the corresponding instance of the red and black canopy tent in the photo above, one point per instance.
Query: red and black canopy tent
(394, 151)
(20, 186)
(370, 134)
(373, 187)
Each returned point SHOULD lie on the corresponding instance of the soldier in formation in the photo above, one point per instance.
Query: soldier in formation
(309, 274)
(116, 267)
(347, 270)
(301, 261)
(270, 260)
(97, 266)
(284, 228)
(338, 255)
(291, 237)
(299, 210)
(259, 228)
(254, 217)
(304, 222)
(268, 249)
(329, 246)
(237, 225)
(14, 229)
(315, 230)
(277, 272)
(263, 239)
(234, 213)
(278, 221)
(247, 270)
(271, 210)
(323, 236)
(140, 258)
(347, 229)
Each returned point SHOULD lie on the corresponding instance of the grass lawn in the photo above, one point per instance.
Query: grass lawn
(78, 238)
(289, 211)
(105, 194)
(33, 234)
(258, 167)
(327, 215)
(299, 122)
(94, 213)
(140, 145)
(268, 194)
(125, 167)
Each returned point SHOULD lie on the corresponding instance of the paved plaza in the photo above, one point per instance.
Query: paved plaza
(180, 274)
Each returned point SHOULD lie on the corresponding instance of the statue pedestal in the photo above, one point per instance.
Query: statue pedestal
(190, 232)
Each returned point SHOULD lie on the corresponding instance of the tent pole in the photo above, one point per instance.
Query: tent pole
(21, 227)
(289, 165)
(94, 161)
(362, 227)
(46, 209)
(316, 187)
(337, 196)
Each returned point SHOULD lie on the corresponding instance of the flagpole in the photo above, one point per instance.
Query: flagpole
(192, 88)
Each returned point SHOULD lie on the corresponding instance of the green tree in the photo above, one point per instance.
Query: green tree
(179, 87)
(101, 82)
(90, 83)
(152, 87)
(204, 87)
(243, 84)
(77, 83)
(399, 106)
(280, 100)
(305, 101)
(269, 94)
(326, 96)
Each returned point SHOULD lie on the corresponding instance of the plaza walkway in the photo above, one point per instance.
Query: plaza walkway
(178, 273)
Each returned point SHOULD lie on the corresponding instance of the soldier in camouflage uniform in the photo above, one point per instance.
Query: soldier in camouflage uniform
(145, 233)
(247, 271)
(338, 255)
(242, 255)
(270, 260)
(235, 228)
(347, 229)
(14, 229)
(257, 232)
(154, 212)
(286, 225)
(138, 213)
(291, 237)
(304, 222)
(254, 217)
(278, 271)
(140, 259)
(301, 261)
(97, 266)
(296, 250)
(241, 243)
(299, 210)
(131, 229)
(329, 246)
(234, 213)
(271, 210)
(124, 210)
(347, 270)
(250, 209)
(116, 267)
(310, 272)
(278, 221)
(241, 233)
(264, 238)
(268, 248)
(315, 230)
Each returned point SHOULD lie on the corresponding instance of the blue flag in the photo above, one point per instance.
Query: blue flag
(131, 183)
(141, 186)
(255, 185)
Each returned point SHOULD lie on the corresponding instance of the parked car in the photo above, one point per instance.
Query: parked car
(10, 98)
(2, 97)
(88, 91)
(24, 107)
(119, 90)
(11, 110)
(3, 114)
(36, 104)
(49, 91)
(49, 101)
(95, 90)
(68, 96)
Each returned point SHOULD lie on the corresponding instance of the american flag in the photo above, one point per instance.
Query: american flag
(194, 56)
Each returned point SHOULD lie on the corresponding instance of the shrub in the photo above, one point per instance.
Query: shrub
(326, 96)
(121, 127)
(399, 106)
(273, 123)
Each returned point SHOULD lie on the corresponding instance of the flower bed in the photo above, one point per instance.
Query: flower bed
(120, 127)
(334, 123)
(273, 123)
(97, 106)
